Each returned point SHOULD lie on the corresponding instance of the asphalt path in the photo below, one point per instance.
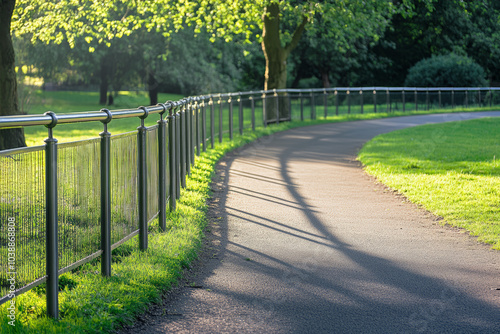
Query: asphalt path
(303, 241)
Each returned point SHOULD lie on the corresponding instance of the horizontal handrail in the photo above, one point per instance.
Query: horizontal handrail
(92, 116)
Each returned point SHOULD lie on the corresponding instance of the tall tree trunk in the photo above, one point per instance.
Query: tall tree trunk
(9, 138)
(104, 81)
(326, 79)
(276, 57)
(152, 89)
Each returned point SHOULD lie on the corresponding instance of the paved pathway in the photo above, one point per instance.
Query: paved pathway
(308, 243)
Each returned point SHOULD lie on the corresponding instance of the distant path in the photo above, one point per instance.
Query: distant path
(308, 243)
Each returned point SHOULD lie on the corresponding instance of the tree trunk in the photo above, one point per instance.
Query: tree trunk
(276, 56)
(104, 81)
(152, 89)
(326, 79)
(9, 138)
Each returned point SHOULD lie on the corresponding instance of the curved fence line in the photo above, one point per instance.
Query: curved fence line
(62, 205)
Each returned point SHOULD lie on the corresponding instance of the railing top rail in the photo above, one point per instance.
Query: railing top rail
(77, 117)
(90, 116)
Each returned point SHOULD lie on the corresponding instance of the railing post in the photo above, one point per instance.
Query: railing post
(178, 152)
(301, 106)
(192, 128)
(336, 102)
(51, 237)
(182, 140)
(252, 101)
(439, 99)
(212, 122)
(172, 160)
(220, 118)
(204, 125)
(230, 117)
(388, 98)
(325, 103)
(404, 100)
(466, 99)
(277, 105)
(240, 115)
(188, 137)
(361, 98)
(416, 100)
(264, 109)
(142, 184)
(162, 170)
(313, 106)
(374, 101)
(348, 102)
(452, 99)
(427, 99)
(106, 197)
(479, 97)
(197, 128)
(289, 99)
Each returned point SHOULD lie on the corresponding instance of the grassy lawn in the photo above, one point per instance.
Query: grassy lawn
(451, 169)
(92, 304)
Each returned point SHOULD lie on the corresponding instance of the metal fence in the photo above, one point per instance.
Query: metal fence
(62, 205)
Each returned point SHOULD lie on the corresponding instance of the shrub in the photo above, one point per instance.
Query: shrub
(446, 71)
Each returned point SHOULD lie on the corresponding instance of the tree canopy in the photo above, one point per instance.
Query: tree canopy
(346, 42)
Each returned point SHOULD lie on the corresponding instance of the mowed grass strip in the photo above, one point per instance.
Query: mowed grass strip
(451, 169)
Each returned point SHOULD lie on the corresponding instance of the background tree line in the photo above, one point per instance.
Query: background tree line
(198, 47)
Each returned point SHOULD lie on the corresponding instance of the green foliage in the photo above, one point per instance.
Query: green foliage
(446, 71)
(464, 27)
(335, 47)
(451, 169)
(98, 22)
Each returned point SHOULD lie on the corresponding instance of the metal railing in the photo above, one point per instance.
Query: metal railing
(66, 204)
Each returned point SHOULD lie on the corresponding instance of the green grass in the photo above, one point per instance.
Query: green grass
(451, 169)
(92, 304)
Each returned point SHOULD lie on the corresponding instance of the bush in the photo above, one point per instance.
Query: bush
(446, 71)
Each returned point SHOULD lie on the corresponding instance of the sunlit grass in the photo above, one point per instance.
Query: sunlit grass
(450, 169)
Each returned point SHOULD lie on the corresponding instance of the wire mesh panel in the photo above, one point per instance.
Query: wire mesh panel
(124, 212)
(152, 167)
(79, 206)
(22, 218)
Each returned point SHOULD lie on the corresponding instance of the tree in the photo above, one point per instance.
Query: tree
(331, 52)
(283, 23)
(9, 138)
(464, 27)
(99, 24)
